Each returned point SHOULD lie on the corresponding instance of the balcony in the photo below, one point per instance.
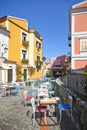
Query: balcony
(38, 63)
(25, 61)
(25, 43)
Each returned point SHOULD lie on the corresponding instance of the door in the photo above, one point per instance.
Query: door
(10, 76)
(25, 74)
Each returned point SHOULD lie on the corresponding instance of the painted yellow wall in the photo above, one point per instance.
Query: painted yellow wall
(39, 52)
(15, 26)
(3, 23)
(14, 43)
(20, 22)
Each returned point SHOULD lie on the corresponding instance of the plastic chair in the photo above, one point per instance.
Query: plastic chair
(51, 91)
(27, 98)
(64, 107)
(4, 92)
(37, 108)
(33, 92)
(16, 89)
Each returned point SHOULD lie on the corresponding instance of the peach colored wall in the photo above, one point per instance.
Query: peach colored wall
(80, 64)
(62, 59)
(52, 61)
(81, 22)
(82, 5)
(76, 46)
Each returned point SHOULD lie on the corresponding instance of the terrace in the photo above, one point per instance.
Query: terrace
(14, 116)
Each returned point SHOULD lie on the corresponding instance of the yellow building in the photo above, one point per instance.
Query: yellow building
(24, 48)
(35, 54)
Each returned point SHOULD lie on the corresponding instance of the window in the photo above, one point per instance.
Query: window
(38, 45)
(83, 45)
(24, 36)
(38, 57)
(24, 53)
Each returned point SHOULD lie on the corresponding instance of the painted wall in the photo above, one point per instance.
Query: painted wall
(78, 31)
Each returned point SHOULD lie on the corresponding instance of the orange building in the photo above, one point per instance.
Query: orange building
(78, 30)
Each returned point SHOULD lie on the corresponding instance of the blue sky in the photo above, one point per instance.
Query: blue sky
(49, 17)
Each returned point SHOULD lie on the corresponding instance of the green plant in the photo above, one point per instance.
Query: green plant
(48, 75)
(25, 43)
(19, 75)
(31, 70)
(38, 63)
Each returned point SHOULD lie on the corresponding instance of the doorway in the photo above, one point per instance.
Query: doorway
(25, 74)
(10, 76)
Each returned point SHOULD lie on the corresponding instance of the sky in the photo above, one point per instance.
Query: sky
(48, 17)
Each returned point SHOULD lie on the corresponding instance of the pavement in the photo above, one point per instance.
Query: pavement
(14, 116)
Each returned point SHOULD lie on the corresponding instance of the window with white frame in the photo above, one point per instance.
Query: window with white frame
(83, 45)
(24, 54)
(38, 45)
(24, 36)
(38, 57)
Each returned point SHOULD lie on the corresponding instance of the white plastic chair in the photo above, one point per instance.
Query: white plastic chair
(27, 98)
(4, 91)
(64, 107)
(37, 108)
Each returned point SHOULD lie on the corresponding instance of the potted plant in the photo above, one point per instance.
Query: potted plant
(38, 63)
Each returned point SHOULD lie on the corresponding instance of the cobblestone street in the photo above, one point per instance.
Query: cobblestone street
(13, 115)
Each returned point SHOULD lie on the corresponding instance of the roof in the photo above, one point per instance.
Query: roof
(79, 5)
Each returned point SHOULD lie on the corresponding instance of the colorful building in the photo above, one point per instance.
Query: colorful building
(78, 37)
(24, 49)
(59, 65)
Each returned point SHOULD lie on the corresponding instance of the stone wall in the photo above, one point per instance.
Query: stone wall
(79, 107)
(75, 82)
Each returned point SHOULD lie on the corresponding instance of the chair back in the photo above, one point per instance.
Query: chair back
(70, 101)
(33, 104)
(25, 94)
(17, 87)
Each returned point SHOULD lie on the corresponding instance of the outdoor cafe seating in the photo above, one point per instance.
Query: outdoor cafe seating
(27, 98)
(44, 102)
(65, 107)
(38, 108)
(15, 89)
(4, 92)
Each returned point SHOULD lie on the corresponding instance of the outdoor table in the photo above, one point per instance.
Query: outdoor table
(10, 88)
(47, 101)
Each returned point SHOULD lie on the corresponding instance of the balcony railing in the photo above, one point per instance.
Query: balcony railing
(25, 61)
(25, 43)
(38, 63)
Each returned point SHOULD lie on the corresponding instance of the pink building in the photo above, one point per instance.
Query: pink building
(58, 65)
(78, 30)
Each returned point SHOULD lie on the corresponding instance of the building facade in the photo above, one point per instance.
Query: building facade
(59, 65)
(24, 49)
(5, 64)
(78, 31)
